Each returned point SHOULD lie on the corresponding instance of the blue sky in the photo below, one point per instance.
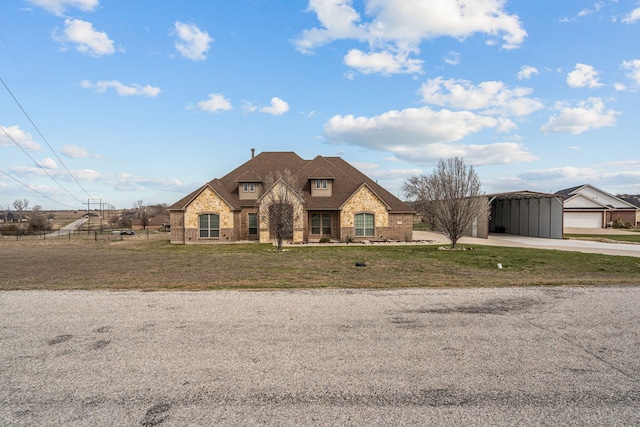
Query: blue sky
(122, 101)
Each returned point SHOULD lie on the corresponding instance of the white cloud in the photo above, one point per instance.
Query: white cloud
(632, 16)
(453, 58)
(8, 134)
(382, 62)
(193, 43)
(216, 102)
(339, 21)
(623, 163)
(424, 135)
(395, 32)
(583, 76)
(58, 7)
(562, 174)
(128, 182)
(620, 87)
(48, 163)
(249, 107)
(373, 170)
(277, 107)
(596, 8)
(489, 97)
(88, 40)
(634, 70)
(121, 89)
(587, 115)
(526, 72)
(76, 152)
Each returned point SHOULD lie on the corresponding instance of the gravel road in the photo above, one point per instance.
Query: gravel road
(516, 356)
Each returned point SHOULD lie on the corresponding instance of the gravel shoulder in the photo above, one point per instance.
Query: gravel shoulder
(527, 356)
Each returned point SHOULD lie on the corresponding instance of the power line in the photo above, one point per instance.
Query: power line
(44, 139)
(38, 164)
(34, 190)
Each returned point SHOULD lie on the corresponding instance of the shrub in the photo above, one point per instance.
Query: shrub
(619, 223)
(324, 240)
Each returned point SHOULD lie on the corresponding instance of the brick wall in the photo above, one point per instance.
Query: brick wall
(176, 219)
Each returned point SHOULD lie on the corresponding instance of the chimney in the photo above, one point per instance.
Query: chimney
(253, 153)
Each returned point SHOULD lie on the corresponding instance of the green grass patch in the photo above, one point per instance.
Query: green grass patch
(155, 264)
(634, 238)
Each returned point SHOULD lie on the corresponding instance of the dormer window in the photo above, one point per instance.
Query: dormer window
(249, 187)
(321, 187)
(321, 184)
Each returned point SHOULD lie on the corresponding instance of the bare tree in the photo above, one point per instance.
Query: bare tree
(142, 213)
(450, 197)
(21, 206)
(158, 209)
(38, 220)
(280, 207)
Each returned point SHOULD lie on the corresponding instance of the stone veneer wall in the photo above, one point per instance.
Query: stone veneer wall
(208, 202)
(363, 201)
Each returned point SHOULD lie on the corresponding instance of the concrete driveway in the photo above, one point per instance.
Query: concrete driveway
(625, 249)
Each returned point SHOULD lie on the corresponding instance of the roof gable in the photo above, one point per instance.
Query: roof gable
(580, 201)
(364, 185)
(592, 196)
(347, 180)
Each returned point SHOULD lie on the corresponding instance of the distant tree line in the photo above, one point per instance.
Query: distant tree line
(26, 220)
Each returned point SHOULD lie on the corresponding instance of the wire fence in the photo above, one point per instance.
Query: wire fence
(82, 235)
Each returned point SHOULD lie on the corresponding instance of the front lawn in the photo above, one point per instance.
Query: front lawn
(155, 264)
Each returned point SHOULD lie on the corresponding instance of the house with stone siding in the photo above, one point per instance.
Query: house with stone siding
(338, 203)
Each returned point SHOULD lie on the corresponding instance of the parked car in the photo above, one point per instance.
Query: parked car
(128, 232)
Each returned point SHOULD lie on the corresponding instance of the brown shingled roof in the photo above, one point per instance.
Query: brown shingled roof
(346, 181)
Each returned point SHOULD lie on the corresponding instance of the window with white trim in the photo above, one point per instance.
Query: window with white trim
(322, 184)
(364, 224)
(209, 225)
(249, 187)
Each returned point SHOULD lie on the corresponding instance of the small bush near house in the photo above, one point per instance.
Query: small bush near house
(325, 240)
(618, 223)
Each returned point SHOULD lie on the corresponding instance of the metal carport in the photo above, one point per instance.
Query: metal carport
(526, 213)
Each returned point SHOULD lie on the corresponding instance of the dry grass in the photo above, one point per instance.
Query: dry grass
(153, 264)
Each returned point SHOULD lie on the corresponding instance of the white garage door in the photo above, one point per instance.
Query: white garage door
(583, 219)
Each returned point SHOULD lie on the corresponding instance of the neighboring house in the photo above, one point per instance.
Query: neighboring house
(338, 203)
(634, 199)
(589, 207)
(158, 222)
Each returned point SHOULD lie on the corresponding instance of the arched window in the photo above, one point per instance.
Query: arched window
(364, 225)
(209, 225)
